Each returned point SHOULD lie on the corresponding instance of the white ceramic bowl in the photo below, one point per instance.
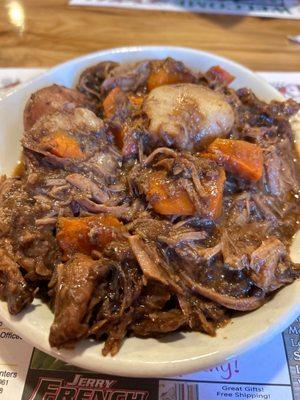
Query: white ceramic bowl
(177, 353)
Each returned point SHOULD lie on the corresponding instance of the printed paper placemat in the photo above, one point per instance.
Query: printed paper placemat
(255, 8)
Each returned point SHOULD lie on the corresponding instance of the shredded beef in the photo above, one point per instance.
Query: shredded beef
(128, 77)
(76, 281)
(159, 322)
(270, 265)
(13, 287)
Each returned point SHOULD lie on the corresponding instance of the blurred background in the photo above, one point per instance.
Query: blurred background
(262, 35)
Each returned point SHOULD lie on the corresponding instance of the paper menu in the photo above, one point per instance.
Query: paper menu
(270, 372)
(289, 9)
(15, 357)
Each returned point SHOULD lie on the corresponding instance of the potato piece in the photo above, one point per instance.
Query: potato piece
(50, 99)
(166, 198)
(84, 234)
(62, 145)
(187, 116)
(167, 72)
(239, 157)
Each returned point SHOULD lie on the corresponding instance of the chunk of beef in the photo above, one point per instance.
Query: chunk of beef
(91, 79)
(129, 77)
(106, 163)
(270, 265)
(258, 113)
(147, 260)
(196, 254)
(281, 215)
(49, 100)
(115, 299)
(192, 261)
(231, 302)
(122, 290)
(7, 188)
(177, 239)
(63, 133)
(73, 142)
(117, 211)
(88, 187)
(159, 322)
(250, 217)
(238, 242)
(116, 334)
(13, 287)
(269, 208)
(63, 190)
(280, 169)
(154, 297)
(76, 282)
(119, 251)
(203, 315)
(33, 245)
(149, 228)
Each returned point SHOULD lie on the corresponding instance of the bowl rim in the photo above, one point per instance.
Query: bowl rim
(138, 49)
(144, 368)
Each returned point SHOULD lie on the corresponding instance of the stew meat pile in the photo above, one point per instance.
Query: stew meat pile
(150, 199)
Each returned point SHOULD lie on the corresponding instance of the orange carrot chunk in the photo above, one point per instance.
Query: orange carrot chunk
(61, 144)
(220, 74)
(84, 234)
(239, 157)
(164, 73)
(109, 103)
(166, 198)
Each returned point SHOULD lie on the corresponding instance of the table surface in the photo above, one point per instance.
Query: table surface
(46, 32)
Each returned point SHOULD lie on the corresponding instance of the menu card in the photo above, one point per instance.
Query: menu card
(256, 8)
(271, 372)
